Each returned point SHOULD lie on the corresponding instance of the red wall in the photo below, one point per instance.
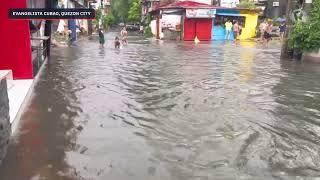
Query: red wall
(189, 29)
(15, 48)
(197, 27)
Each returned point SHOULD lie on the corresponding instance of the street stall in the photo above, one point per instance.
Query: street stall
(198, 23)
(170, 26)
(187, 18)
(247, 19)
(202, 21)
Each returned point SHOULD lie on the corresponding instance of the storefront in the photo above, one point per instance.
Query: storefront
(247, 19)
(203, 21)
(187, 18)
(198, 23)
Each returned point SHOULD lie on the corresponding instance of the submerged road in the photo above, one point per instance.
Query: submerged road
(169, 111)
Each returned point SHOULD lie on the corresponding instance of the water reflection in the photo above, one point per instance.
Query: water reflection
(170, 110)
(46, 130)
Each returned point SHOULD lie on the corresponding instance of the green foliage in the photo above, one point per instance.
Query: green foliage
(98, 14)
(305, 36)
(120, 10)
(134, 14)
(148, 32)
(108, 20)
(247, 4)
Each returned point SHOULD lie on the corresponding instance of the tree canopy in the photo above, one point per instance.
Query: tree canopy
(120, 10)
(247, 4)
(134, 13)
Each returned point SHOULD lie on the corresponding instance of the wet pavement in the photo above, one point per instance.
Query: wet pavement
(170, 110)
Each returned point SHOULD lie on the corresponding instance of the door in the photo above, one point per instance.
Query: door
(203, 29)
(189, 29)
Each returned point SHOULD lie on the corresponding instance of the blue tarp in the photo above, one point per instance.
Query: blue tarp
(228, 14)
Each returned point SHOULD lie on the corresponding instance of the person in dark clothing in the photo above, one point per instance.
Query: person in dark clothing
(34, 28)
(282, 29)
(117, 42)
(101, 38)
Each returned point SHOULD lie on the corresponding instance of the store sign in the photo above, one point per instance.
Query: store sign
(229, 3)
(200, 13)
(276, 4)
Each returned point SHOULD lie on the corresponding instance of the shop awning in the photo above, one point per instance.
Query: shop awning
(173, 11)
(228, 14)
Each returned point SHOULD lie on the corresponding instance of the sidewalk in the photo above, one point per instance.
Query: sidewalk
(18, 94)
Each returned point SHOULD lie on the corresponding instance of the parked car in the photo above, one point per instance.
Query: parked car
(133, 26)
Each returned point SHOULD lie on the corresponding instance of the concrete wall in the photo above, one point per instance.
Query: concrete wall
(5, 127)
(15, 43)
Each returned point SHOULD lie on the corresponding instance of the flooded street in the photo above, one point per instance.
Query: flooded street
(169, 111)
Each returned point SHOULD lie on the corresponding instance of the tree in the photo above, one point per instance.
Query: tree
(134, 13)
(97, 17)
(247, 4)
(108, 20)
(305, 36)
(120, 10)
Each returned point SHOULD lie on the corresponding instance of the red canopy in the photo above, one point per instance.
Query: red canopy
(185, 5)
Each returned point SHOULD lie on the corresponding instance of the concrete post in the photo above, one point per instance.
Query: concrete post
(5, 127)
(286, 52)
(49, 4)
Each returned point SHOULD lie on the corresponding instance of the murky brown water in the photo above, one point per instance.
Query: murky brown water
(170, 111)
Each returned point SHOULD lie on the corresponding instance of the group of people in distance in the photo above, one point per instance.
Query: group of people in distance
(266, 28)
(117, 42)
(235, 27)
(265, 31)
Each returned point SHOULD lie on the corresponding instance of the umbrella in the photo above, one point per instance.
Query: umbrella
(280, 19)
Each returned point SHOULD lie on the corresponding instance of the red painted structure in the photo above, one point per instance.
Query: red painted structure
(200, 28)
(15, 46)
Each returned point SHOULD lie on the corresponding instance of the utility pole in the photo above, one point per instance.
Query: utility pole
(307, 6)
(49, 4)
(286, 52)
(90, 29)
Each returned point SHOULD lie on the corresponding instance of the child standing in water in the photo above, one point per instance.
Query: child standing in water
(101, 38)
(117, 42)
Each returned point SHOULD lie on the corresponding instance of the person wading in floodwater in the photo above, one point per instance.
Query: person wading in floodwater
(282, 29)
(267, 33)
(236, 30)
(124, 36)
(117, 43)
(228, 25)
(101, 38)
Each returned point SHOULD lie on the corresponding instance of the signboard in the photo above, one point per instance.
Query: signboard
(200, 13)
(229, 3)
(275, 4)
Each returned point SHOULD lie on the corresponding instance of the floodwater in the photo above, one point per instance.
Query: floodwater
(157, 110)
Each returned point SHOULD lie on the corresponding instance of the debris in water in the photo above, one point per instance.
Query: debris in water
(83, 150)
(49, 110)
(79, 128)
